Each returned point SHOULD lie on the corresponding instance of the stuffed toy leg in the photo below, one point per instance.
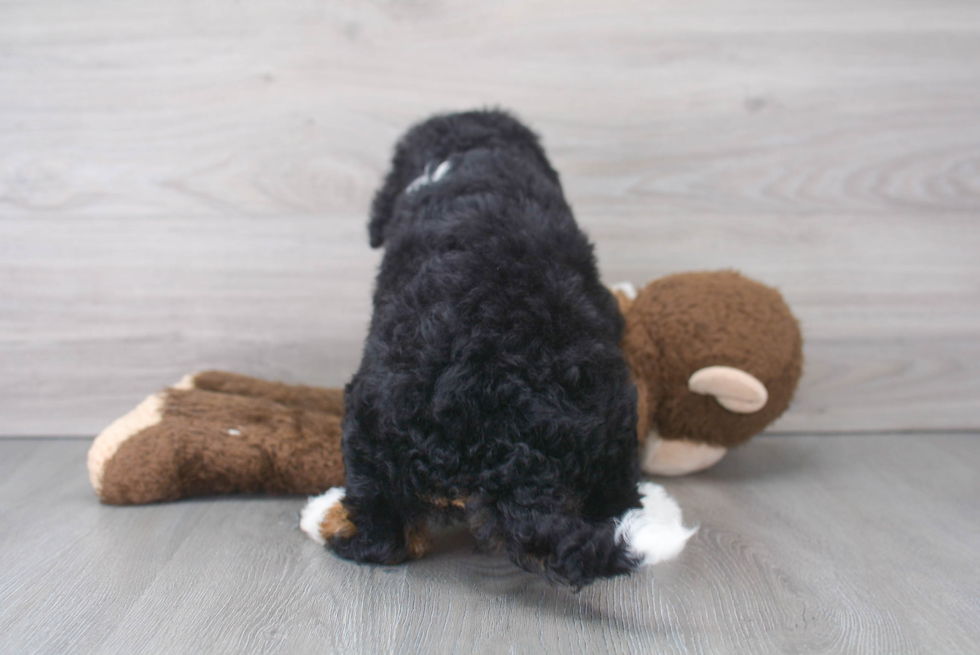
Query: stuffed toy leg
(217, 433)
(715, 357)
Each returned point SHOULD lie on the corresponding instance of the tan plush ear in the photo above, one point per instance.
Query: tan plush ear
(734, 389)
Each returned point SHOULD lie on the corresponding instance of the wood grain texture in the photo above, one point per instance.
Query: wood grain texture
(806, 544)
(99, 313)
(184, 185)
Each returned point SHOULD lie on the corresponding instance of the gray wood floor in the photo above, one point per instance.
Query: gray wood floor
(817, 544)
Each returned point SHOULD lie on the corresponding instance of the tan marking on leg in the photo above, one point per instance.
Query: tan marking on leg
(442, 502)
(336, 523)
(417, 541)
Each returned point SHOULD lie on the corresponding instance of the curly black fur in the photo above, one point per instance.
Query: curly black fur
(492, 371)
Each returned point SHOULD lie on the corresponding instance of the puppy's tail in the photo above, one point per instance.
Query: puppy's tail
(570, 550)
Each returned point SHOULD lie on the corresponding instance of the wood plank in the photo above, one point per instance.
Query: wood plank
(97, 314)
(265, 109)
(806, 544)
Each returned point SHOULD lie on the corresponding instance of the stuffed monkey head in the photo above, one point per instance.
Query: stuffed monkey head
(715, 357)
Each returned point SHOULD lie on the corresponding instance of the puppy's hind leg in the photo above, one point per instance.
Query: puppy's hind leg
(568, 548)
(364, 526)
(562, 547)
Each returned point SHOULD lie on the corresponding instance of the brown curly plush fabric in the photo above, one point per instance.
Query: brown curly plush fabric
(685, 322)
(229, 433)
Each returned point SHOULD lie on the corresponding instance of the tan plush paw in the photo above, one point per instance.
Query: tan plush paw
(242, 436)
(677, 456)
(145, 415)
(124, 433)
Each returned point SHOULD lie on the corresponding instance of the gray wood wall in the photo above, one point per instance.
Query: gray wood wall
(184, 184)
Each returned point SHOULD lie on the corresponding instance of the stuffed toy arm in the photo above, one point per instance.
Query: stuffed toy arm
(216, 432)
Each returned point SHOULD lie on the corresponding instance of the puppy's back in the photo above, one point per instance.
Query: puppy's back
(491, 374)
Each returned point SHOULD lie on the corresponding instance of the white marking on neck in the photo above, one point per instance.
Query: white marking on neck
(441, 171)
(429, 176)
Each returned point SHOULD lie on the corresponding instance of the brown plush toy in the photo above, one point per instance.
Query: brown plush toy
(715, 357)
(215, 433)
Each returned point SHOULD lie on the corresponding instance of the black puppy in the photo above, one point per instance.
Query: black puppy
(491, 384)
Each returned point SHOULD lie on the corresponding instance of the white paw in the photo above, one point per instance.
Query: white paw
(316, 508)
(655, 533)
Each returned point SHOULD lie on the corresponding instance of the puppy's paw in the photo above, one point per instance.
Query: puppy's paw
(324, 516)
(655, 533)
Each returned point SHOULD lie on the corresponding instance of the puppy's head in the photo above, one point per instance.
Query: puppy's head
(426, 145)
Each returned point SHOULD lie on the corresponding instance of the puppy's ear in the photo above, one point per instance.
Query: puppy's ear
(382, 208)
(376, 231)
